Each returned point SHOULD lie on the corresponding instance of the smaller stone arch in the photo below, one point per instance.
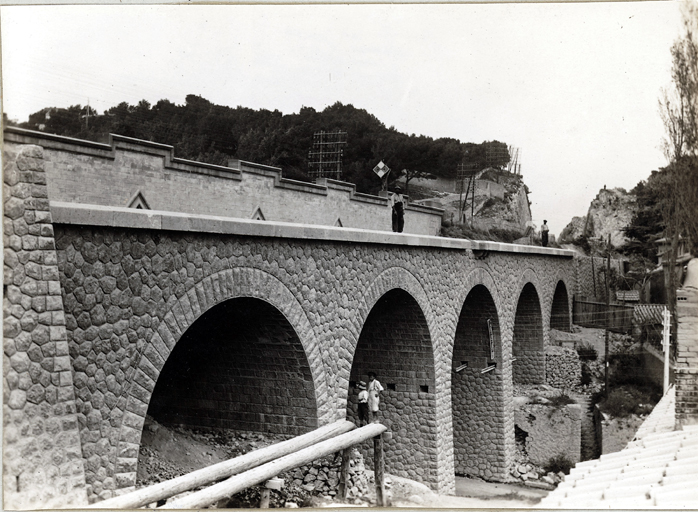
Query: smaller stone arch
(181, 314)
(477, 388)
(528, 346)
(389, 279)
(560, 308)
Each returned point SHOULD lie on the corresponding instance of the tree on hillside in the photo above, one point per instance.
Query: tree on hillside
(206, 132)
(679, 111)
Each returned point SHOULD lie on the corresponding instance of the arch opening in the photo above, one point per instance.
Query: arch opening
(239, 366)
(395, 343)
(560, 310)
(477, 388)
(528, 346)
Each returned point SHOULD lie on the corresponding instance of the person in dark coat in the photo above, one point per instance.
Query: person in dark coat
(398, 212)
(544, 233)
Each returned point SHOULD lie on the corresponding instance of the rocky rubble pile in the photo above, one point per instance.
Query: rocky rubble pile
(322, 476)
(563, 367)
(170, 451)
(531, 474)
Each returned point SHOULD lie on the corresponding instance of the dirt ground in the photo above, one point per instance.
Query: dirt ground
(167, 452)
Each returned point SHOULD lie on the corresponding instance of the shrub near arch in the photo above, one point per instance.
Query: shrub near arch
(210, 291)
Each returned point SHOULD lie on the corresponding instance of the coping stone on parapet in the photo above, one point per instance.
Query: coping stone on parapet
(97, 215)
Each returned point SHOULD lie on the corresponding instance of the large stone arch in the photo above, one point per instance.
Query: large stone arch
(180, 315)
(390, 279)
(396, 339)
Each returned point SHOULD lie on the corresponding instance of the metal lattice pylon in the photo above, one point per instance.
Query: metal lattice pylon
(325, 157)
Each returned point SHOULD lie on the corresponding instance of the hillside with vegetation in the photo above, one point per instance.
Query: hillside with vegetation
(202, 131)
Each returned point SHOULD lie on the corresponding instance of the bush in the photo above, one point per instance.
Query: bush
(557, 464)
(561, 400)
(627, 399)
(626, 369)
(587, 352)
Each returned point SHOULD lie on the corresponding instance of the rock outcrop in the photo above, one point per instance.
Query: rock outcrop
(609, 213)
(501, 202)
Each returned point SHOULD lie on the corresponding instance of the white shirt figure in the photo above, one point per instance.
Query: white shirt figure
(363, 396)
(374, 387)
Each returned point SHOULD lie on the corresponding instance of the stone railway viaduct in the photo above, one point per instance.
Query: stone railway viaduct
(211, 320)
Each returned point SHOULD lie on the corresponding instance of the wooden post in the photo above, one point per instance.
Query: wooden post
(343, 490)
(265, 498)
(379, 471)
(608, 302)
(666, 344)
(274, 483)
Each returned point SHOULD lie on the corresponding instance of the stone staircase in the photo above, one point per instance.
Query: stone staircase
(590, 448)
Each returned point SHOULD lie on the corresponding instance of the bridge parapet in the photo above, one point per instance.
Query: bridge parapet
(114, 174)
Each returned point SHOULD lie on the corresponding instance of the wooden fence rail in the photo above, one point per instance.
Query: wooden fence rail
(614, 317)
(224, 469)
(269, 470)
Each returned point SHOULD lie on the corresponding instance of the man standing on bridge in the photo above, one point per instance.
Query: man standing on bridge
(398, 214)
(544, 233)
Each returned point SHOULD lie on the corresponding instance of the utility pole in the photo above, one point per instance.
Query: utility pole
(608, 302)
(87, 115)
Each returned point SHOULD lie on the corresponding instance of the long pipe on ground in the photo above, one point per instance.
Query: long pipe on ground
(269, 470)
(224, 469)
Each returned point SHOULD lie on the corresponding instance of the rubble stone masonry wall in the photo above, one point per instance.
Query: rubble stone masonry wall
(551, 431)
(42, 459)
(129, 295)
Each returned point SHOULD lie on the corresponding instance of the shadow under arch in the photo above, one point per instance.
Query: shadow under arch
(236, 283)
(396, 343)
(560, 308)
(528, 348)
(390, 279)
(477, 388)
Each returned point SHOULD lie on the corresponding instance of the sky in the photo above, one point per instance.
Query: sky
(575, 86)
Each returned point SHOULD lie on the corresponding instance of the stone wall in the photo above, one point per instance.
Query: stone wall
(686, 368)
(563, 368)
(42, 459)
(129, 171)
(551, 431)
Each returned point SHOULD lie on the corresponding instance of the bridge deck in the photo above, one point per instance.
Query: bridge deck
(96, 215)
